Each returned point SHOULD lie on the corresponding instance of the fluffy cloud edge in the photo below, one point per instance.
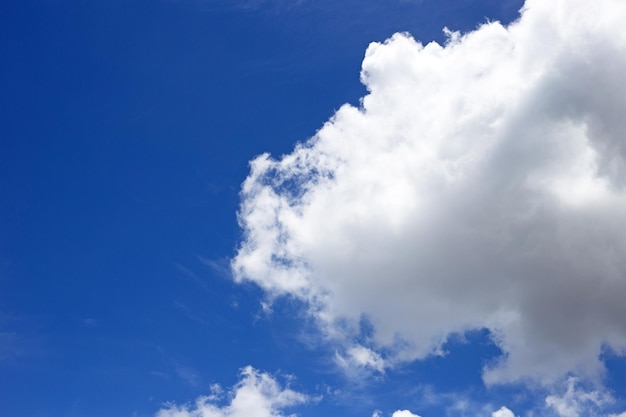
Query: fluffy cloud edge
(257, 394)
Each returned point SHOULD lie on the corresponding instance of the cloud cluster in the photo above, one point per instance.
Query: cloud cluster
(480, 184)
(257, 394)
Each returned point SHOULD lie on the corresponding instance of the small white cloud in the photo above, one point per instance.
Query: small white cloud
(503, 412)
(361, 357)
(404, 413)
(257, 394)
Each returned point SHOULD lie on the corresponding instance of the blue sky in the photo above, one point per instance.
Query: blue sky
(449, 243)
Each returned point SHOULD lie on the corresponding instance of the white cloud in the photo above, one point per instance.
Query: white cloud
(404, 413)
(576, 401)
(361, 357)
(256, 395)
(503, 412)
(480, 185)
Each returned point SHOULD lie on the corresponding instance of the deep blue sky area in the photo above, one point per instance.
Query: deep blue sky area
(125, 133)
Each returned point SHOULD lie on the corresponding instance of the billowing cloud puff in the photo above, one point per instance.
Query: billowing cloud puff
(404, 413)
(480, 184)
(256, 395)
(503, 412)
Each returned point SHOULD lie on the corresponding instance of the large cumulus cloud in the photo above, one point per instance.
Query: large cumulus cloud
(480, 184)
